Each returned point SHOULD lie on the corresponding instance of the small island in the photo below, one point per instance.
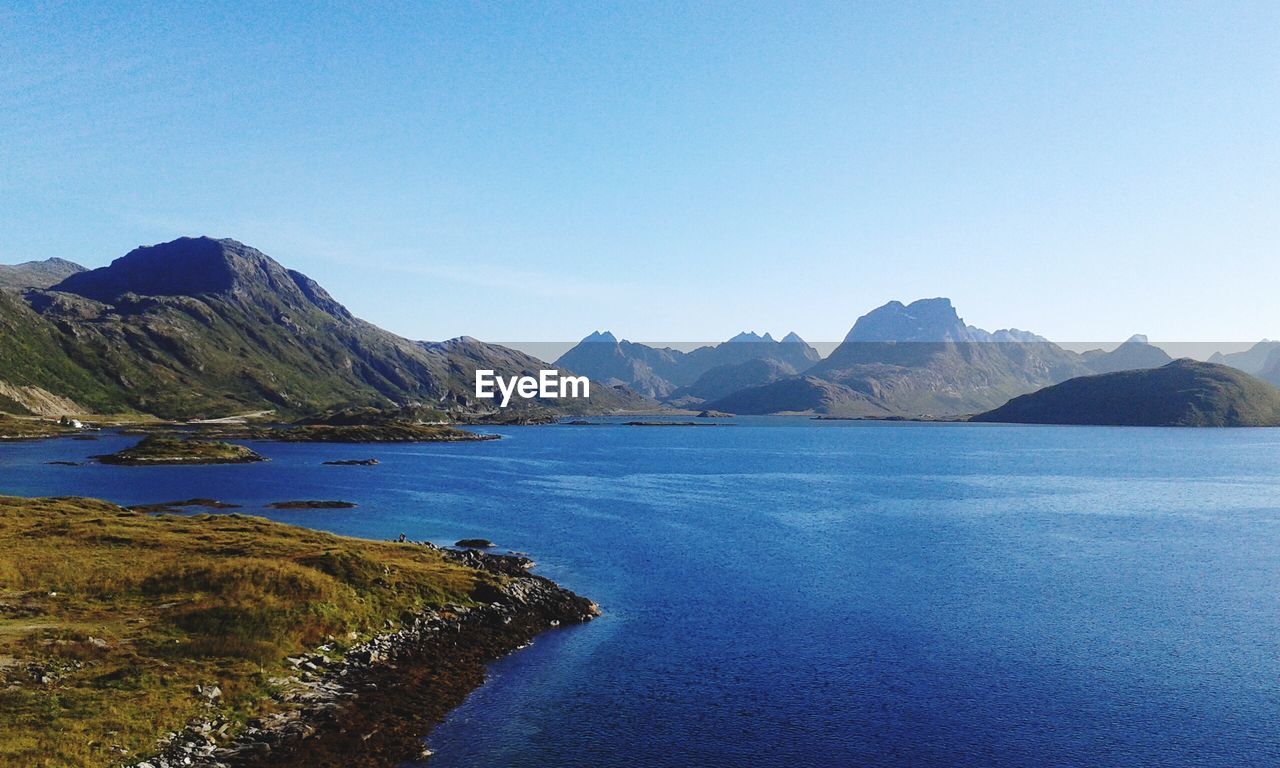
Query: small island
(373, 433)
(167, 450)
(407, 424)
(311, 504)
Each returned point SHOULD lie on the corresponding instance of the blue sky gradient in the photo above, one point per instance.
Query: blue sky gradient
(672, 172)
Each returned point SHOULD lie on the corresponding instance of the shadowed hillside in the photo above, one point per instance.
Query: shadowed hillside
(1184, 393)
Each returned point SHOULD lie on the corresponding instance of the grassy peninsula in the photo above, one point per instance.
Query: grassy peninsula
(118, 627)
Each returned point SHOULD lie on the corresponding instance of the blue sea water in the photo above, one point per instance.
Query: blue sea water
(799, 593)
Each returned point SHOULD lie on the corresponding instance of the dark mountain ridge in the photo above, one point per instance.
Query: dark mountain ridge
(1183, 393)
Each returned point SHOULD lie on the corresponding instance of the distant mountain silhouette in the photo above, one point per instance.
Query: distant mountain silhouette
(726, 379)
(1253, 360)
(660, 372)
(915, 359)
(1183, 393)
(1270, 372)
(36, 274)
(1135, 353)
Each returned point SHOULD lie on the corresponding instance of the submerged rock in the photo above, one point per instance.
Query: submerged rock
(474, 544)
(311, 504)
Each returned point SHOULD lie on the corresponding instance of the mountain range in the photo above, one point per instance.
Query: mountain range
(917, 359)
(205, 327)
(688, 377)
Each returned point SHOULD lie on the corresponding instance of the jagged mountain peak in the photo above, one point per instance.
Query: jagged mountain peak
(750, 336)
(792, 338)
(922, 320)
(601, 336)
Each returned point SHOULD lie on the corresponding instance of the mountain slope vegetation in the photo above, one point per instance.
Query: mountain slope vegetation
(205, 327)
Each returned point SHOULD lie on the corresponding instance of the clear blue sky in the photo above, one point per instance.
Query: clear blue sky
(676, 172)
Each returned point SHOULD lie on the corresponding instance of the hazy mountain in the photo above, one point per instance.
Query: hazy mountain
(1270, 372)
(801, 394)
(660, 372)
(727, 379)
(1253, 360)
(1184, 393)
(36, 274)
(200, 326)
(647, 370)
(922, 359)
(1134, 354)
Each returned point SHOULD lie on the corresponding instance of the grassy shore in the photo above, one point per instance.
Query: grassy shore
(111, 618)
(20, 428)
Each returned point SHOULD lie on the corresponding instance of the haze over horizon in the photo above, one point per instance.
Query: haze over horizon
(668, 173)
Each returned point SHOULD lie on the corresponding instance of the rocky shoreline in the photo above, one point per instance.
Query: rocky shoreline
(371, 708)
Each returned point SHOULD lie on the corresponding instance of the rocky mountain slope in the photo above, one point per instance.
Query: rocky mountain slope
(1184, 393)
(205, 327)
(36, 274)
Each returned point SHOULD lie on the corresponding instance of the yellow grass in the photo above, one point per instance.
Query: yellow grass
(127, 613)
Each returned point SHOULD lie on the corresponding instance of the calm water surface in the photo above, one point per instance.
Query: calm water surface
(819, 594)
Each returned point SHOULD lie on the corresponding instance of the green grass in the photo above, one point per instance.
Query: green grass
(129, 612)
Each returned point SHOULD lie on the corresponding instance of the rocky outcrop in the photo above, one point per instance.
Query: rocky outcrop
(371, 707)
